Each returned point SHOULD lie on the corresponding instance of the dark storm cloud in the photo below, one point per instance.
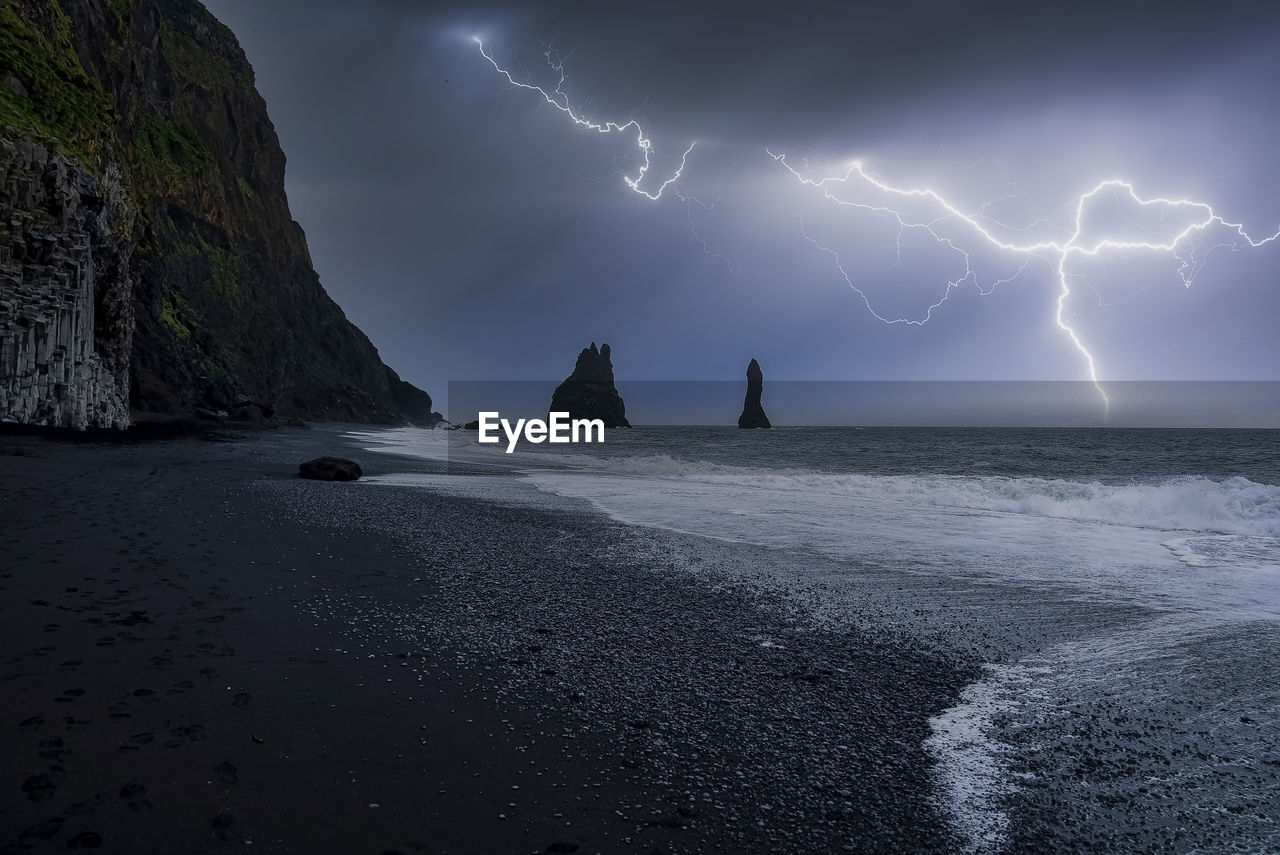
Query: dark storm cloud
(455, 220)
(792, 65)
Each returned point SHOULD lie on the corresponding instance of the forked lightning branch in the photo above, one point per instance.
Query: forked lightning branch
(975, 230)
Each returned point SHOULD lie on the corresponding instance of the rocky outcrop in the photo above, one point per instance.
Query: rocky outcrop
(66, 310)
(589, 392)
(752, 412)
(414, 403)
(218, 302)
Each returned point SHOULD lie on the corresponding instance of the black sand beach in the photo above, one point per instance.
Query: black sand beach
(949, 601)
(203, 652)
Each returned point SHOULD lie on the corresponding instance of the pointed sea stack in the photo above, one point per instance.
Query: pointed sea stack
(589, 393)
(752, 413)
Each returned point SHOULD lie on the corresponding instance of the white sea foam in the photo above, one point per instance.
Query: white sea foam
(972, 770)
(1200, 521)
(1213, 550)
(1190, 503)
(428, 444)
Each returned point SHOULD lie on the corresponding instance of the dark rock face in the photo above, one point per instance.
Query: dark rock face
(412, 401)
(207, 297)
(66, 311)
(589, 393)
(330, 469)
(752, 413)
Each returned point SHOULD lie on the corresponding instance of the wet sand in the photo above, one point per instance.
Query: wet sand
(202, 652)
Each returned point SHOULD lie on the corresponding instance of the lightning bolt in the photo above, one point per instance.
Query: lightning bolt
(1057, 252)
(559, 99)
(689, 202)
(980, 227)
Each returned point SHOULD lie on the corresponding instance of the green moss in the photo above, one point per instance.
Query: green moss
(61, 100)
(216, 268)
(223, 280)
(167, 153)
(170, 313)
(123, 11)
(246, 190)
(187, 58)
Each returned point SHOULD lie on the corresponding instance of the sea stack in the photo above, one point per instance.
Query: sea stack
(589, 393)
(752, 413)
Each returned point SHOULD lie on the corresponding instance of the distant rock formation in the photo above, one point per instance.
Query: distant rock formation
(589, 393)
(752, 413)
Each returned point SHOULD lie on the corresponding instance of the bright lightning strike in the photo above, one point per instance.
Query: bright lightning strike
(1057, 252)
(559, 99)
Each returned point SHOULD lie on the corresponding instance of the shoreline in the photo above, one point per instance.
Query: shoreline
(223, 652)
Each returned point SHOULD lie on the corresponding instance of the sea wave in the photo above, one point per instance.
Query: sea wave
(1235, 506)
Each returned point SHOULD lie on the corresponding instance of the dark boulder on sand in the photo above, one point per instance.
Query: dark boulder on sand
(589, 393)
(752, 413)
(330, 469)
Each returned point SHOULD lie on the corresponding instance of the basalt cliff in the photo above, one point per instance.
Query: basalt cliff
(149, 264)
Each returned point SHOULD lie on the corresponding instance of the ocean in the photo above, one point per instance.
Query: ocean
(1120, 587)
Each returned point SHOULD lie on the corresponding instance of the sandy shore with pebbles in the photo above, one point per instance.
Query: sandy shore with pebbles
(205, 653)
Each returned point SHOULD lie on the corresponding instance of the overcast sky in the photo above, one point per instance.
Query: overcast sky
(474, 232)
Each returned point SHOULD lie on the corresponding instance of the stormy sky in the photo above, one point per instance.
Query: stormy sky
(476, 233)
